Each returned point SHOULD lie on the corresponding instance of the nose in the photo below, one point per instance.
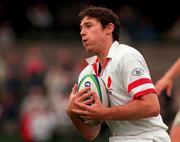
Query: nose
(82, 32)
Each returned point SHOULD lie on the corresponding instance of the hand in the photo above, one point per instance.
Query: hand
(164, 83)
(76, 98)
(96, 111)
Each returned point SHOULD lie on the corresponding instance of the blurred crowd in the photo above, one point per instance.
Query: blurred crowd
(34, 87)
(35, 82)
(140, 21)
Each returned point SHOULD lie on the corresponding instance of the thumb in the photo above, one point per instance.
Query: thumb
(74, 89)
(95, 96)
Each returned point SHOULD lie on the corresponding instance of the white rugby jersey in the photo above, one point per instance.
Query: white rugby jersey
(127, 77)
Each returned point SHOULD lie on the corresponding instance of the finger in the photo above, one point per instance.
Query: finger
(74, 89)
(89, 101)
(92, 122)
(87, 121)
(159, 89)
(83, 106)
(94, 95)
(80, 112)
(96, 98)
(85, 96)
(83, 91)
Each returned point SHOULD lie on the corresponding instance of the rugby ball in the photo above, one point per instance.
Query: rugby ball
(97, 85)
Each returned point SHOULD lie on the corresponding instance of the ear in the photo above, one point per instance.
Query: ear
(109, 28)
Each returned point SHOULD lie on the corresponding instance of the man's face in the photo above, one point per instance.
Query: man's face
(92, 34)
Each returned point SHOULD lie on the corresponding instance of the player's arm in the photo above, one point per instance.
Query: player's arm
(139, 86)
(175, 129)
(166, 82)
(144, 107)
(88, 131)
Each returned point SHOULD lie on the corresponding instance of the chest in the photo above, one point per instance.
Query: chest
(112, 77)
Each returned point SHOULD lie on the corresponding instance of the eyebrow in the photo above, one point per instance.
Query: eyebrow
(85, 23)
(88, 22)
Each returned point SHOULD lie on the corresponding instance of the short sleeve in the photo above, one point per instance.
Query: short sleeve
(136, 77)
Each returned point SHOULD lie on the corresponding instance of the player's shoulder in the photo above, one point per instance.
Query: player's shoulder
(126, 49)
(127, 53)
(123, 51)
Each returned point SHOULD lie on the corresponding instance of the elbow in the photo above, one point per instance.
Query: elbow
(155, 111)
(153, 105)
(90, 137)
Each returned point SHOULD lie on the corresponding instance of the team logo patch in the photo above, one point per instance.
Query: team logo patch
(137, 72)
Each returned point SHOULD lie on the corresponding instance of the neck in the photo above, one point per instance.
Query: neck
(104, 51)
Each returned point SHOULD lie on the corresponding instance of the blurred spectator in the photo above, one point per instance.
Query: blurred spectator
(39, 15)
(173, 33)
(66, 63)
(10, 110)
(65, 60)
(64, 125)
(146, 31)
(7, 35)
(34, 67)
(3, 72)
(55, 80)
(66, 15)
(135, 26)
(1, 111)
(14, 73)
(37, 122)
(129, 19)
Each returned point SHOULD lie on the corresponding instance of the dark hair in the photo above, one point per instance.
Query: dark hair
(104, 16)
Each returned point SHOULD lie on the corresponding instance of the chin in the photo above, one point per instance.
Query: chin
(89, 49)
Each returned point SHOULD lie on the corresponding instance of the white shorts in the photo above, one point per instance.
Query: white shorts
(153, 136)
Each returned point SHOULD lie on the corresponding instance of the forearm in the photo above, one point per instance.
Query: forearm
(134, 110)
(88, 131)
